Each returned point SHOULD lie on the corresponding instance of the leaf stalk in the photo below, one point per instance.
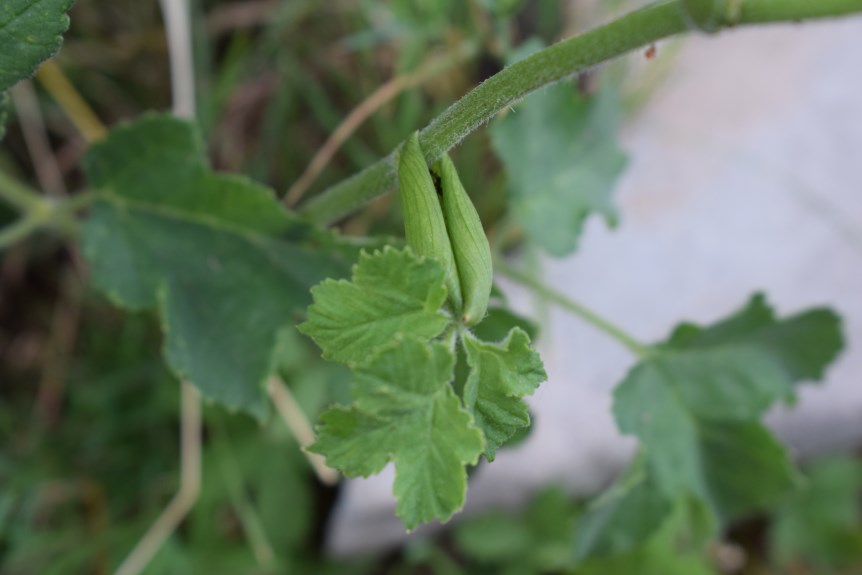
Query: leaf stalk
(607, 327)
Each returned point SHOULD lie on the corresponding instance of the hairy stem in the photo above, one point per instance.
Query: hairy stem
(600, 323)
(641, 28)
(375, 101)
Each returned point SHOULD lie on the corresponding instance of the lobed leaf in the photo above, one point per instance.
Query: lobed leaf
(501, 374)
(560, 153)
(804, 344)
(695, 402)
(404, 410)
(210, 251)
(391, 294)
(30, 33)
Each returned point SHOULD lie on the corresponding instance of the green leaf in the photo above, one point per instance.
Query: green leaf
(209, 251)
(537, 540)
(494, 537)
(746, 468)
(30, 33)
(696, 401)
(561, 156)
(804, 344)
(499, 321)
(501, 374)
(392, 293)
(404, 410)
(822, 524)
(664, 553)
(244, 458)
(623, 517)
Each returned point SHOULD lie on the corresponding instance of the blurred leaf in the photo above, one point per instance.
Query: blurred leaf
(505, 8)
(419, 553)
(804, 344)
(695, 403)
(404, 410)
(203, 248)
(822, 524)
(551, 516)
(696, 400)
(662, 554)
(625, 516)
(537, 540)
(493, 537)
(746, 468)
(560, 153)
(253, 474)
(30, 33)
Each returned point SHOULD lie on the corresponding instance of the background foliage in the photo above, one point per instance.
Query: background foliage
(91, 352)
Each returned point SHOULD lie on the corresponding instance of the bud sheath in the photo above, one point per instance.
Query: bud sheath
(424, 226)
(469, 243)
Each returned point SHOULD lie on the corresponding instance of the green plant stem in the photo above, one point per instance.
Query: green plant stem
(641, 28)
(17, 195)
(20, 229)
(45, 214)
(572, 306)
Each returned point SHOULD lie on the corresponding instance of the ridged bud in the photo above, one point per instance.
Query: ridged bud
(424, 225)
(468, 241)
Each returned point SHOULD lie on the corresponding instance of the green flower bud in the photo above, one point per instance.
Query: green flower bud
(424, 226)
(469, 243)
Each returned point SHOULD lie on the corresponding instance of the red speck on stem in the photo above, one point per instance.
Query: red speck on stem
(650, 52)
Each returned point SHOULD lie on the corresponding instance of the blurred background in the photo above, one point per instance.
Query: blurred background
(722, 166)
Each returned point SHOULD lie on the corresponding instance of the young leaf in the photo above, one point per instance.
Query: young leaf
(392, 293)
(501, 374)
(206, 249)
(696, 401)
(562, 160)
(405, 411)
(30, 33)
